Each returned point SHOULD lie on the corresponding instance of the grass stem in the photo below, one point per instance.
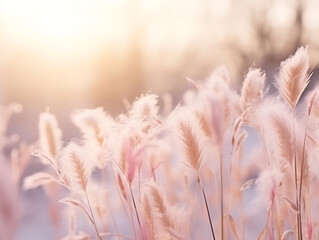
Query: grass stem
(299, 227)
(92, 217)
(208, 212)
(137, 216)
(301, 174)
(221, 194)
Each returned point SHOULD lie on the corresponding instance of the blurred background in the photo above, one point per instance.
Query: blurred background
(67, 54)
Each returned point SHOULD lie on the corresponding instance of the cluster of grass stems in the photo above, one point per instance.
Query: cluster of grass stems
(220, 165)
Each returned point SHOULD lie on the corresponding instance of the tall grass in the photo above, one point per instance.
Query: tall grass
(197, 171)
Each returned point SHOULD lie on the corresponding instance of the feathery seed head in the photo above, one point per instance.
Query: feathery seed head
(293, 79)
(218, 115)
(313, 103)
(49, 135)
(94, 124)
(191, 149)
(130, 159)
(145, 106)
(77, 166)
(217, 99)
(253, 86)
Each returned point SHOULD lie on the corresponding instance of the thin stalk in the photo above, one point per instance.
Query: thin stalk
(234, 159)
(139, 183)
(207, 210)
(299, 228)
(130, 212)
(153, 174)
(278, 218)
(230, 182)
(137, 216)
(268, 233)
(93, 219)
(302, 171)
(295, 157)
(132, 225)
(221, 194)
(87, 214)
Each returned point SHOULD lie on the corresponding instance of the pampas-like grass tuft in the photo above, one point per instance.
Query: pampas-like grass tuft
(293, 79)
(165, 218)
(50, 135)
(76, 165)
(191, 148)
(220, 165)
(252, 89)
(284, 137)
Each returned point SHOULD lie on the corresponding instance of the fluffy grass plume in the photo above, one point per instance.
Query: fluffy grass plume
(50, 135)
(293, 79)
(77, 166)
(191, 147)
(220, 165)
(252, 90)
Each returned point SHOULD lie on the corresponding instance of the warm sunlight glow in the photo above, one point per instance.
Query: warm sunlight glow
(106, 50)
(60, 39)
(154, 119)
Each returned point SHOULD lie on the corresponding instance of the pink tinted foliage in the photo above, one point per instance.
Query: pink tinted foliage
(220, 165)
